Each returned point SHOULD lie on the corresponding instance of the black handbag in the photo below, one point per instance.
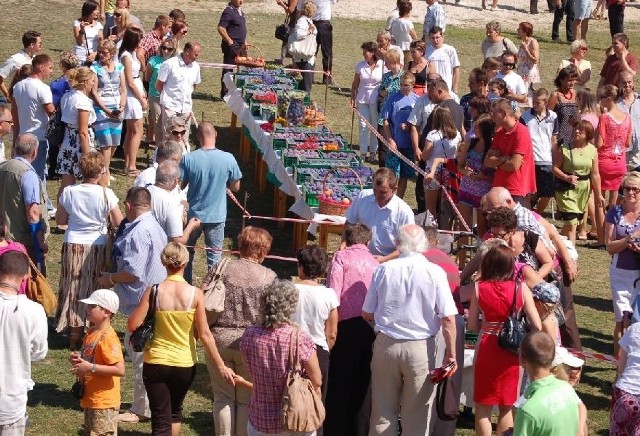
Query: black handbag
(515, 327)
(77, 390)
(143, 334)
(283, 30)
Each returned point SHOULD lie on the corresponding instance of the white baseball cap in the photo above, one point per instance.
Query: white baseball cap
(105, 298)
(564, 356)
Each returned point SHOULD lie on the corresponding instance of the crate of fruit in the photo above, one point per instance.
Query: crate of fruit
(291, 156)
(336, 200)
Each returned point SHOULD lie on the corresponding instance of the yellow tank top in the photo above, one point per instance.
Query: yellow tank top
(173, 343)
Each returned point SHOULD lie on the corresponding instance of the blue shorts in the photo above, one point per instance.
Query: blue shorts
(400, 167)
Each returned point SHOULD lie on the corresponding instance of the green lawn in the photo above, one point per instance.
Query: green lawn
(52, 409)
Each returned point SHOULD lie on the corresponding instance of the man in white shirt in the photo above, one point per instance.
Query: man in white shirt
(382, 211)
(168, 150)
(322, 21)
(6, 123)
(32, 43)
(166, 206)
(34, 101)
(410, 301)
(445, 59)
(517, 89)
(177, 79)
(23, 339)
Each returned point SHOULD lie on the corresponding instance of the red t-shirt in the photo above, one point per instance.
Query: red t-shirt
(516, 141)
(612, 67)
(445, 262)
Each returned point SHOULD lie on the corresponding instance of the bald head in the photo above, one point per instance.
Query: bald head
(495, 198)
(27, 146)
(207, 134)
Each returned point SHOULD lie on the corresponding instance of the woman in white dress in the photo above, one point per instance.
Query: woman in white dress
(78, 113)
(136, 98)
(87, 31)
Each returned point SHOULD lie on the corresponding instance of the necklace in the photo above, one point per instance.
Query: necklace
(176, 278)
(9, 286)
(568, 95)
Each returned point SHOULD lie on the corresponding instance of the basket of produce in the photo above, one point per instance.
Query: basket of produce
(336, 201)
(251, 61)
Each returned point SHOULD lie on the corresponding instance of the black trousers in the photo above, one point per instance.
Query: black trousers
(325, 43)
(567, 8)
(324, 362)
(616, 19)
(229, 53)
(166, 388)
(307, 78)
(349, 377)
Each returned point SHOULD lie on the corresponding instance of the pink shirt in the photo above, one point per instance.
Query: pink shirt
(350, 275)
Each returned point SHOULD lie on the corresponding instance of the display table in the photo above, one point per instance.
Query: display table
(267, 161)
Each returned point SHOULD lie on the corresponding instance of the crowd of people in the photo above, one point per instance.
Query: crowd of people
(389, 306)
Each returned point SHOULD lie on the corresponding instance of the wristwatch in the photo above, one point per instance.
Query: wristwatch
(93, 368)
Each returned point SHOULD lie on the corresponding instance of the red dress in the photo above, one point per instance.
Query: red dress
(496, 370)
(612, 158)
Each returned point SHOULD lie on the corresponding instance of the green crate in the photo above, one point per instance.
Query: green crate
(311, 199)
(470, 338)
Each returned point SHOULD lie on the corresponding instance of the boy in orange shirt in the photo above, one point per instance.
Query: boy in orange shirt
(100, 364)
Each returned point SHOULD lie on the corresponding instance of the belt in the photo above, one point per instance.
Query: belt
(491, 328)
(585, 177)
(321, 21)
(136, 77)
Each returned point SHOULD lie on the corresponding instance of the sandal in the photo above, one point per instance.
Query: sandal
(582, 237)
(133, 173)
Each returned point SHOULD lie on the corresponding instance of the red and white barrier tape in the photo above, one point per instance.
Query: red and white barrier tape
(221, 250)
(581, 354)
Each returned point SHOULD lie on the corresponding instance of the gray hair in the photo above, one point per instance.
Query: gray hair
(277, 302)
(168, 171)
(385, 34)
(577, 44)
(412, 239)
(168, 150)
(494, 25)
(25, 144)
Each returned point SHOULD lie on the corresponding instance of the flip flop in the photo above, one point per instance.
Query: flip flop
(133, 173)
(583, 237)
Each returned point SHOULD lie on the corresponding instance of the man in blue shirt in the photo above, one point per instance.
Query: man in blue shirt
(208, 172)
(397, 130)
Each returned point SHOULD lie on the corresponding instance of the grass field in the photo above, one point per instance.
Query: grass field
(52, 409)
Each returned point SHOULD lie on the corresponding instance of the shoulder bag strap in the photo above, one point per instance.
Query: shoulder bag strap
(296, 357)
(291, 351)
(573, 170)
(90, 358)
(514, 305)
(106, 205)
(193, 293)
(153, 301)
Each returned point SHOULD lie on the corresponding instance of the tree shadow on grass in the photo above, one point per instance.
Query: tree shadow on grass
(596, 341)
(50, 394)
(597, 303)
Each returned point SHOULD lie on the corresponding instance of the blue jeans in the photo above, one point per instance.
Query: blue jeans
(213, 237)
(40, 165)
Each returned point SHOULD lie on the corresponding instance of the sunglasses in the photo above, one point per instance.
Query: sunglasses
(118, 15)
(184, 32)
(178, 132)
(166, 48)
(7, 121)
(633, 189)
(509, 64)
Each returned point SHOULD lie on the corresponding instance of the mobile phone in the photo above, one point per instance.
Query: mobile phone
(116, 112)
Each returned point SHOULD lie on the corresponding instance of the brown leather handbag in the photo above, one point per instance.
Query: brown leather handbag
(302, 408)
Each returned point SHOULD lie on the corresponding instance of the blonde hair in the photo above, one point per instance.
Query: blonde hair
(125, 16)
(78, 77)
(108, 45)
(309, 9)
(633, 177)
(174, 256)
(393, 55)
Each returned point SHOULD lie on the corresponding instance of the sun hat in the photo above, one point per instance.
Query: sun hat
(105, 298)
(563, 356)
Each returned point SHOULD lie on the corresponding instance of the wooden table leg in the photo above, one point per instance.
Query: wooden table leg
(234, 123)
(262, 176)
(299, 235)
(279, 205)
(244, 147)
(323, 229)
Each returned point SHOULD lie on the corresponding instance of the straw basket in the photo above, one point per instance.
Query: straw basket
(249, 61)
(330, 208)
